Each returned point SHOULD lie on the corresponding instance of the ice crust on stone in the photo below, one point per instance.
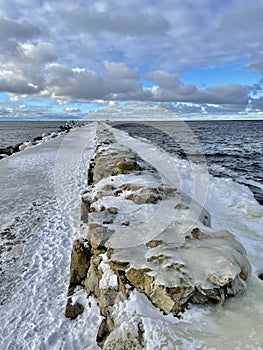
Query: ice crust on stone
(155, 239)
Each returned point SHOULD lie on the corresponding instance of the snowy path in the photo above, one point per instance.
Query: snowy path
(40, 194)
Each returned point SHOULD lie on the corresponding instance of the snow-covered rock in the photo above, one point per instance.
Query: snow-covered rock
(145, 235)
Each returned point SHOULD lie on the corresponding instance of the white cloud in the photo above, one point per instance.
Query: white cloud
(39, 53)
(71, 109)
(16, 80)
(105, 102)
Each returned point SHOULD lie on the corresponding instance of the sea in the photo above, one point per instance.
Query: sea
(40, 195)
(232, 149)
(15, 132)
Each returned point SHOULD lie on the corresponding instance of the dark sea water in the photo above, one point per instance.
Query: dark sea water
(232, 148)
(12, 133)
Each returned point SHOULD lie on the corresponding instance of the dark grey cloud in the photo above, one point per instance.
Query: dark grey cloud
(22, 68)
(256, 104)
(16, 80)
(123, 83)
(76, 83)
(16, 30)
(37, 54)
(170, 88)
(167, 35)
(124, 23)
(118, 82)
(224, 94)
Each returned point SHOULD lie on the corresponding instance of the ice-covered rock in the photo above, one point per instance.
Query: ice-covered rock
(145, 234)
(23, 146)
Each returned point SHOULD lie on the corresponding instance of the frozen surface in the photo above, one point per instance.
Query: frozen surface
(40, 196)
(40, 199)
(238, 324)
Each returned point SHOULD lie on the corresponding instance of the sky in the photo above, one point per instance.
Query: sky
(65, 59)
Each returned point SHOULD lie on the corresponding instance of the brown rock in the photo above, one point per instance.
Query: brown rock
(127, 165)
(140, 280)
(107, 188)
(131, 187)
(73, 310)
(94, 275)
(98, 235)
(154, 243)
(80, 260)
(103, 332)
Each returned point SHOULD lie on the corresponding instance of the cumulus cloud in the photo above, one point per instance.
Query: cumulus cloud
(170, 88)
(123, 83)
(75, 83)
(39, 53)
(100, 50)
(224, 94)
(165, 80)
(21, 70)
(15, 80)
(119, 82)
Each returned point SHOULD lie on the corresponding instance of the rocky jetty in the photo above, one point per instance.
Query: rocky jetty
(144, 234)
